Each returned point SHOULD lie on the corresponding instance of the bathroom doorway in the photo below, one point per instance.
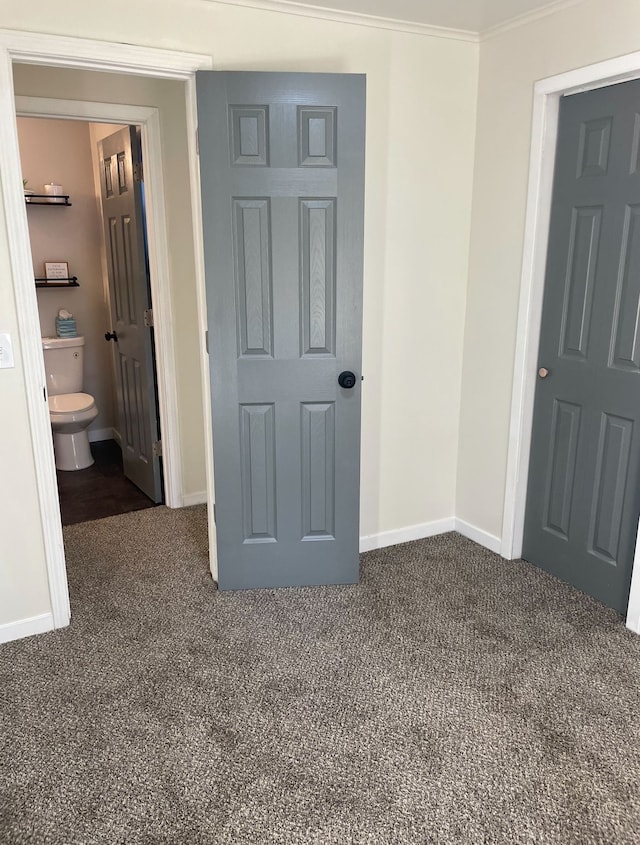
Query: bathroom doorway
(155, 89)
(69, 234)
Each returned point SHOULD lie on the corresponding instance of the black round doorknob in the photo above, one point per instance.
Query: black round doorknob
(111, 336)
(347, 379)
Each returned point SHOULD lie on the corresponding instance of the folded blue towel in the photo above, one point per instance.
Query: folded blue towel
(66, 327)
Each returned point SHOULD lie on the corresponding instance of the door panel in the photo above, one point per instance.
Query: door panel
(612, 462)
(583, 496)
(562, 466)
(122, 208)
(318, 469)
(252, 239)
(626, 340)
(282, 169)
(317, 279)
(258, 471)
(580, 281)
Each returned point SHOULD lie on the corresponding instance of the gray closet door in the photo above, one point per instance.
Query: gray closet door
(584, 483)
(130, 297)
(282, 170)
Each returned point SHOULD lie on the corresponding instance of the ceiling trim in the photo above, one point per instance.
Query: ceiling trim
(526, 18)
(289, 7)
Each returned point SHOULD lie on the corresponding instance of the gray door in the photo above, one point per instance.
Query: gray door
(282, 169)
(124, 232)
(584, 483)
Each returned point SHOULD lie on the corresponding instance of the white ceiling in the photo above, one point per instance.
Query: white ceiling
(474, 15)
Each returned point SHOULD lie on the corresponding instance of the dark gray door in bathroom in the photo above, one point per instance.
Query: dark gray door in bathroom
(583, 498)
(130, 299)
(282, 170)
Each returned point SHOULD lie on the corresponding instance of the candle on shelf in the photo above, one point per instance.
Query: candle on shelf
(55, 193)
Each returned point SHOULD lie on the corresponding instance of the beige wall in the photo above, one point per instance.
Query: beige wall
(510, 64)
(60, 151)
(24, 588)
(420, 142)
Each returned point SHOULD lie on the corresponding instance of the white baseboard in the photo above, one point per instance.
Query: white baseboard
(199, 498)
(97, 434)
(26, 627)
(483, 538)
(430, 529)
(405, 535)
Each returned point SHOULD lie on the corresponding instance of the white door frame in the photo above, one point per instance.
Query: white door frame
(546, 100)
(49, 50)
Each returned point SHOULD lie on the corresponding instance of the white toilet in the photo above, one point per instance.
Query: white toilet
(71, 412)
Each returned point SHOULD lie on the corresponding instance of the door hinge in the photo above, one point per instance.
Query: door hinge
(138, 172)
(157, 449)
(214, 513)
(197, 141)
(206, 340)
(148, 317)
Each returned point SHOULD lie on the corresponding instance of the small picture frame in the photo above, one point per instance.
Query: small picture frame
(56, 270)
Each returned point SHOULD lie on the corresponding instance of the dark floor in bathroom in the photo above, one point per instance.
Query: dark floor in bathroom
(100, 490)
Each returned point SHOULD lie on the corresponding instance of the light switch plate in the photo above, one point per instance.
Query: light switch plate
(6, 351)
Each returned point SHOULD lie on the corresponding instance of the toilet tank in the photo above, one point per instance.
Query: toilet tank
(63, 360)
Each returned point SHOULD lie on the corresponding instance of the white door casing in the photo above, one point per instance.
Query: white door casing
(59, 51)
(547, 93)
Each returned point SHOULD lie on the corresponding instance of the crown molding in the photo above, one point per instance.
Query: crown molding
(290, 7)
(526, 18)
(90, 54)
(13, 38)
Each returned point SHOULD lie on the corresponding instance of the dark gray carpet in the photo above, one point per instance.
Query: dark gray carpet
(450, 698)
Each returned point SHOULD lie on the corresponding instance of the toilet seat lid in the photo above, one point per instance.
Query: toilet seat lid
(70, 403)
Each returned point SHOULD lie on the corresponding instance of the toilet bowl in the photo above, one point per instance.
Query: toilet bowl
(71, 411)
(71, 414)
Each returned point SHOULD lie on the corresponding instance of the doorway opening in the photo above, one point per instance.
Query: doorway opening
(77, 316)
